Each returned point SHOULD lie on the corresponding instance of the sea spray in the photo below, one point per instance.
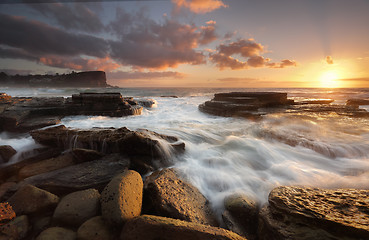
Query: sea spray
(227, 155)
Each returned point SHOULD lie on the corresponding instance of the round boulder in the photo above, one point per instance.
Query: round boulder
(75, 208)
(96, 229)
(122, 198)
(57, 233)
(6, 152)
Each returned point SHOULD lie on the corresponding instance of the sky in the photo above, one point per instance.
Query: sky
(191, 43)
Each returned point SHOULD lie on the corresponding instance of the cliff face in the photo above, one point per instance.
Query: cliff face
(81, 79)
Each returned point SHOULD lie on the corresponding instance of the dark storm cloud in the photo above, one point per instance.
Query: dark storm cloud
(40, 39)
(71, 16)
(16, 54)
(146, 43)
(249, 50)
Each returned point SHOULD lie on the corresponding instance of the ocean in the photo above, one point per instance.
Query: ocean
(229, 155)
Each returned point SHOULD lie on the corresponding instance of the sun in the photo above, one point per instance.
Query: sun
(329, 79)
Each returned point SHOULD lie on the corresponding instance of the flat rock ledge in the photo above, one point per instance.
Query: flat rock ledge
(25, 114)
(312, 213)
(253, 105)
(109, 140)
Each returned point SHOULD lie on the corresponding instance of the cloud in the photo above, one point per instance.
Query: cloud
(249, 50)
(16, 71)
(71, 16)
(355, 79)
(82, 64)
(34, 38)
(120, 75)
(144, 43)
(329, 60)
(199, 6)
(237, 79)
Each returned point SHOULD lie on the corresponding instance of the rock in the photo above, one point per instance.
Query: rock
(169, 96)
(149, 103)
(70, 158)
(95, 174)
(30, 199)
(6, 152)
(148, 227)
(165, 194)
(243, 104)
(40, 224)
(34, 113)
(57, 233)
(357, 102)
(6, 213)
(4, 97)
(312, 213)
(6, 190)
(96, 228)
(121, 199)
(16, 229)
(11, 169)
(315, 101)
(241, 215)
(108, 140)
(77, 207)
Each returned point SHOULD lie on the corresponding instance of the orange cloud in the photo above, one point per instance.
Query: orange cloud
(199, 6)
(102, 64)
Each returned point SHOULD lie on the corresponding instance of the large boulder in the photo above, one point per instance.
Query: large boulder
(312, 213)
(30, 199)
(241, 215)
(66, 159)
(148, 227)
(57, 233)
(165, 194)
(18, 228)
(121, 199)
(96, 228)
(357, 102)
(95, 174)
(75, 208)
(6, 152)
(108, 140)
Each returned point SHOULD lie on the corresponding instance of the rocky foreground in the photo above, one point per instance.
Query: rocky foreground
(107, 183)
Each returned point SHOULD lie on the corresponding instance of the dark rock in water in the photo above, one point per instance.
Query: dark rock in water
(95, 174)
(243, 104)
(148, 227)
(30, 199)
(149, 103)
(169, 96)
(241, 215)
(69, 158)
(109, 140)
(121, 199)
(11, 169)
(6, 152)
(165, 194)
(357, 102)
(312, 213)
(315, 101)
(33, 113)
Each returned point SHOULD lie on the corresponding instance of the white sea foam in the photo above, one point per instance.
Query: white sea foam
(227, 155)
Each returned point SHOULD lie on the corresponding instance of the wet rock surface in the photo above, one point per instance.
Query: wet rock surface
(357, 102)
(253, 105)
(96, 228)
(311, 213)
(94, 174)
(165, 194)
(6, 152)
(25, 114)
(57, 233)
(15, 229)
(241, 215)
(148, 227)
(108, 140)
